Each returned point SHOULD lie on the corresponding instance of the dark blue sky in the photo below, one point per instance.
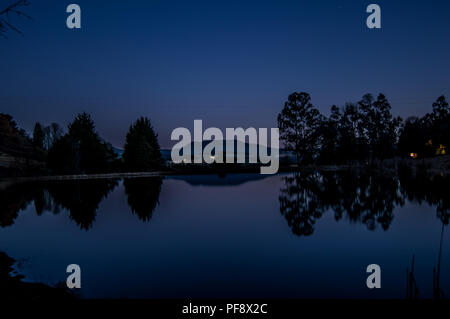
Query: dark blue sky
(230, 63)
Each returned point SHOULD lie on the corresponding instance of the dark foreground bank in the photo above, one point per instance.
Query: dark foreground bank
(13, 288)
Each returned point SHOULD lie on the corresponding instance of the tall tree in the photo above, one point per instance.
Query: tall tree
(87, 147)
(440, 126)
(298, 123)
(380, 127)
(38, 135)
(441, 110)
(56, 131)
(352, 141)
(51, 134)
(342, 137)
(142, 151)
(81, 150)
(329, 137)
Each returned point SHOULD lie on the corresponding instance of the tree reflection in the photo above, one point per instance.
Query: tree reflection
(43, 201)
(81, 198)
(375, 198)
(143, 195)
(359, 197)
(355, 196)
(431, 189)
(13, 199)
(300, 203)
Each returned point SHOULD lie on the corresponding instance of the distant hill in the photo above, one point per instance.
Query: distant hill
(286, 156)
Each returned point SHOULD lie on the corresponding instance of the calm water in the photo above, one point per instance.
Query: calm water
(307, 235)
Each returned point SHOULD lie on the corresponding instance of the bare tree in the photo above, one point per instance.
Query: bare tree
(14, 9)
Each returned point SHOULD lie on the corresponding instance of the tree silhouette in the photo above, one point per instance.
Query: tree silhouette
(142, 152)
(298, 123)
(426, 135)
(45, 136)
(380, 127)
(359, 131)
(329, 136)
(81, 150)
(342, 137)
(440, 127)
(38, 136)
(52, 133)
(441, 109)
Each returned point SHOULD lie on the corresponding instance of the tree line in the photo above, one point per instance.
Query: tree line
(362, 131)
(82, 150)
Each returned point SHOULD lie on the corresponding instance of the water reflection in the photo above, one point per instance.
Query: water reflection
(249, 209)
(14, 198)
(301, 202)
(438, 293)
(412, 287)
(81, 198)
(143, 195)
(360, 197)
(356, 196)
(433, 190)
(369, 199)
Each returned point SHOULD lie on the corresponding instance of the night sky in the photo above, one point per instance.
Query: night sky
(229, 63)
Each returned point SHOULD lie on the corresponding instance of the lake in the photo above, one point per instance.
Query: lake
(292, 235)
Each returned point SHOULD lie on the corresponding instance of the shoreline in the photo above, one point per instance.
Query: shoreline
(162, 173)
(436, 165)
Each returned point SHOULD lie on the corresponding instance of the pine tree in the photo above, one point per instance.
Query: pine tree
(142, 152)
(81, 150)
